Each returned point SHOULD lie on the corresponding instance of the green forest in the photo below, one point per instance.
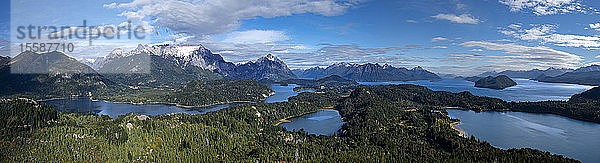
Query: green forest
(393, 123)
(196, 93)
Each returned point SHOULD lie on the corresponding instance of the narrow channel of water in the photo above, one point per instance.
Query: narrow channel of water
(324, 122)
(84, 105)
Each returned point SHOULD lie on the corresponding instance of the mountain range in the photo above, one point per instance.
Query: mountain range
(527, 74)
(50, 75)
(177, 61)
(589, 75)
(368, 72)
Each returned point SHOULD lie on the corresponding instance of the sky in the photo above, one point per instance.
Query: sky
(444, 36)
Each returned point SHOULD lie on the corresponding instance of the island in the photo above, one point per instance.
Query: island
(498, 82)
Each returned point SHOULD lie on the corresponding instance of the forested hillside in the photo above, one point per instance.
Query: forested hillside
(381, 126)
(198, 93)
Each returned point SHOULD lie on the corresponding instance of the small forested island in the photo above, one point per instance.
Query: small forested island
(329, 83)
(498, 82)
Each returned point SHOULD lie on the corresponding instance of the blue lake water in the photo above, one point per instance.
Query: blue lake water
(84, 105)
(525, 90)
(325, 122)
(282, 93)
(547, 132)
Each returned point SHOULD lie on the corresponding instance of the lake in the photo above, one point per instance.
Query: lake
(85, 105)
(525, 90)
(282, 93)
(324, 122)
(547, 132)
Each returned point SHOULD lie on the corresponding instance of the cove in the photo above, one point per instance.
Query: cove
(547, 132)
(85, 105)
(324, 122)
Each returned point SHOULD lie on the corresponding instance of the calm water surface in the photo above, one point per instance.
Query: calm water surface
(547, 132)
(84, 105)
(525, 90)
(325, 122)
(282, 93)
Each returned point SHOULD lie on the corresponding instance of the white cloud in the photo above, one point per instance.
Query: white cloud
(111, 5)
(533, 56)
(547, 34)
(464, 18)
(411, 21)
(436, 39)
(598, 56)
(438, 47)
(546, 7)
(595, 26)
(476, 50)
(210, 17)
(514, 26)
(255, 36)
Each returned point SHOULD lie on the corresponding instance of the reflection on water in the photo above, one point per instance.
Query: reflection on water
(325, 122)
(525, 90)
(282, 93)
(547, 132)
(84, 105)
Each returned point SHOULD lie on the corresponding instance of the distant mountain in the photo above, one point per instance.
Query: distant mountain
(532, 74)
(498, 82)
(151, 70)
(472, 78)
(591, 68)
(311, 73)
(585, 78)
(589, 75)
(268, 68)
(50, 75)
(448, 76)
(369, 72)
(190, 60)
(489, 73)
(330, 81)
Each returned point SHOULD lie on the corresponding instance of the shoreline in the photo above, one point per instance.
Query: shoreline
(454, 125)
(286, 120)
(162, 103)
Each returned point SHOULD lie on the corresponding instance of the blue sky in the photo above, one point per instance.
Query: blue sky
(444, 36)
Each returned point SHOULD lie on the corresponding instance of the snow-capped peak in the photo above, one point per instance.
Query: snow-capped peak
(418, 68)
(270, 57)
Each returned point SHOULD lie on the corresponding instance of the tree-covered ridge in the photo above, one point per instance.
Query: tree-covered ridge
(498, 82)
(198, 93)
(329, 81)
(592, 95)
(586, 111)
(380, 128)
(208, 92)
